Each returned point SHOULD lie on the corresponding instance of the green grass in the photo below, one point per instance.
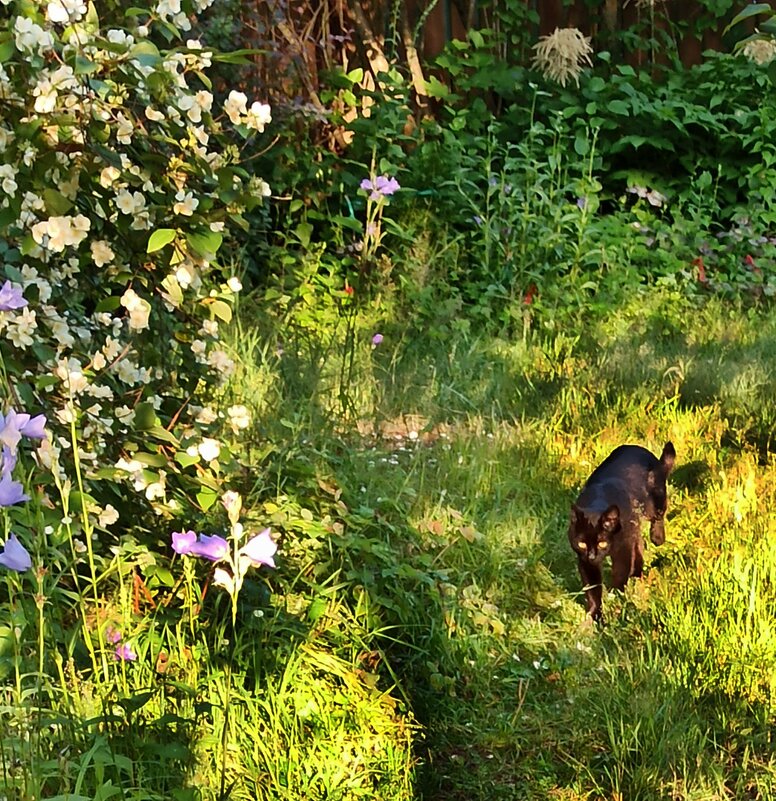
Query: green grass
(458, 537)
(424, 635)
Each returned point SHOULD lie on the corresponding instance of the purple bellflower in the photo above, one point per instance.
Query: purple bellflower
(11, 298)
(260, 549)
(14, 425)
(15, 556)
(382, 186)
(11, 492)
(183, 541)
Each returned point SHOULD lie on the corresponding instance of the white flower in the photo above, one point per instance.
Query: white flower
(186, 203)
(139, 309)
(30, 37)
(64, 11)
(761, 51)
(236, 106)
(154, 115)
(258, 116)
(239, 417)
(206, 416)
(108, 516)
(124, 130)
(130, 202)
(209, 449)
(220, 363)
(20, 328)
(8, 178)
(234, 284)
(563, 54)
(102, 253)
(108, 176)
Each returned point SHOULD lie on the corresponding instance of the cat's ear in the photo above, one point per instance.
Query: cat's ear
(668, 457)
(577, 514)
(610, 519)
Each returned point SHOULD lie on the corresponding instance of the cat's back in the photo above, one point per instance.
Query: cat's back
(620, 479)
(623, 461)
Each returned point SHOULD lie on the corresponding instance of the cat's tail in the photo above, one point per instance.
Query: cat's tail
(668, 457)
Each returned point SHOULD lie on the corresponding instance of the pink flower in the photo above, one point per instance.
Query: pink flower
(125, 653)
(112, 635)
(377, 339)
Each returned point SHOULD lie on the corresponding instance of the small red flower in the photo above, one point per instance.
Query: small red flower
(349, 289)
(530, 294)
(748, 260)
(698, 262)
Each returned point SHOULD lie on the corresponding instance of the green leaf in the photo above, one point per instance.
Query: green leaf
(435, 88)
(619, 107)
(173, 290)
(772, 72)
(145, 417)
(222, 310)
(581, 145)
(303, 232)
(7, 216)
(160, 238)
(205, 243)
(151, 459)
(752, 10)
(137, 701)
(83, 66)
(56, 202)
(206, 498)
(7, 48)
(186, 459)
(237, 56)
(108, 304)
(163, 435)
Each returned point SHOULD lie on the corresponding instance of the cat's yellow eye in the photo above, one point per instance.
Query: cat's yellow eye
(582, 546)
(603, 544)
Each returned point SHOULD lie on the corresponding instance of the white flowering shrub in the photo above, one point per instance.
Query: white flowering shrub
(120, 179)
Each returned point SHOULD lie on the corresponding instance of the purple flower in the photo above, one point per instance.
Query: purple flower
(11, 491)
(377, 339)
(214, 548)
(11, 298)
(125, 653)
(260, 549)
(183, 541)
(385, 185)
(7, 461)
(582, 203)
(14, 555)
(14, 425)
(382, 186)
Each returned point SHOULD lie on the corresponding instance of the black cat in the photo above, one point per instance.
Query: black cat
(629, 485)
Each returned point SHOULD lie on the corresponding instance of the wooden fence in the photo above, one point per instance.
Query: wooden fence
(695, 28)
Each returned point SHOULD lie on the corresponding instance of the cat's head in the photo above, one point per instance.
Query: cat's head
(590, 533)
